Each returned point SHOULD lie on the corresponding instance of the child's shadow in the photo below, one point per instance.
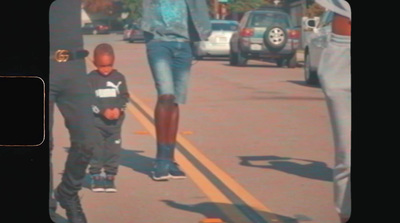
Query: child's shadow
(133, 160)
(137, 162)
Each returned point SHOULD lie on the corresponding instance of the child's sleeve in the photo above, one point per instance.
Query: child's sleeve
(124, 94)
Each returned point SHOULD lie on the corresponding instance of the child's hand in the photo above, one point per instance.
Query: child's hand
(116, 112)
(109, 114)
(112, 113)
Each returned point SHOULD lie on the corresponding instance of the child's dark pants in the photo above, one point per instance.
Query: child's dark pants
(107, 157)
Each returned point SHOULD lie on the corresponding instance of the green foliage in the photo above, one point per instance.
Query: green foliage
(96, 6)
(135, 8)
(245, 5)
(314, 10)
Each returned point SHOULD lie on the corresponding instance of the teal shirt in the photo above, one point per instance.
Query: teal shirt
(176, 20)
(171, 20)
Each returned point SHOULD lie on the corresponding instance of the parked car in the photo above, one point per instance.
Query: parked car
(313, 48)
(218, 42)
(127, 31)
(265, 34)
(135, 34)
(95, 28)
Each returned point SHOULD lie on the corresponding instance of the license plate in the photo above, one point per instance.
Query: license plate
(255, 47)
(221, 40)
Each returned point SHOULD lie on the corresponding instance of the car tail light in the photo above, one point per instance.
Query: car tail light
(294, 34)
(247, 32)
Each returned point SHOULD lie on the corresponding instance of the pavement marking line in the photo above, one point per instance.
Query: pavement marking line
(227, 180)
(208, 188)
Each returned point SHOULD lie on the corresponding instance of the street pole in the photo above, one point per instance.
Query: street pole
(216, 9)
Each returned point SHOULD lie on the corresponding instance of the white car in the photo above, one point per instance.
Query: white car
(313, 49)
(218, 42)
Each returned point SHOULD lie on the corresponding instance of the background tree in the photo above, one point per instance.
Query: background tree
(245, 5)
(135, 9)
(96, 6)
(314, 10)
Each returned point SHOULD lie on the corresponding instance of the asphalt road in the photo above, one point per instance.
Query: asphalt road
(255, 142)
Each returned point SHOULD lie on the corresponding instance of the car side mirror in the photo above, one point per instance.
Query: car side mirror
(311, 23)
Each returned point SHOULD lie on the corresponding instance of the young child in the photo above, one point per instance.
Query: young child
(111, 97)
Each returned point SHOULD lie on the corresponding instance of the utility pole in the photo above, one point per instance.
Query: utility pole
(216, 9)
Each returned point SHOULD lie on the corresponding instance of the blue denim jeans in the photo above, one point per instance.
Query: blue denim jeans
(335, 76)
(170, 63)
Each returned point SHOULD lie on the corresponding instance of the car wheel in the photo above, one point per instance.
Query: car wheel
(241, 60)
(292, 61)
(310, 76)
(275, 38)
(131, 40)
(280, 62)
(233, 58)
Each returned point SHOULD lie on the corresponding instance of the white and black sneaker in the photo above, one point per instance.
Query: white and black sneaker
(97, 184)
(109, 185)
(161, 170)
(175, 172)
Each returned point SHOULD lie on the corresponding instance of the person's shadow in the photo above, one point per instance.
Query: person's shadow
(133, 160)
(212, 210)
(310, 169)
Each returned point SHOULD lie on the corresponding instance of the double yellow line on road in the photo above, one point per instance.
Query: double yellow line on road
(233, 210)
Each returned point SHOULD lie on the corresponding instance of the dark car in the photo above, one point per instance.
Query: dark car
(127, 31)
(265, 34)
(135, 33)
(95, 28)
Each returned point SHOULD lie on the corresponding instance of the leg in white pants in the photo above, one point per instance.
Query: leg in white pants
(335, 77)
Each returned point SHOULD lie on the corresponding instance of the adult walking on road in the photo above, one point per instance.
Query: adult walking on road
(169, 27)
(71, 92)
(335, 77)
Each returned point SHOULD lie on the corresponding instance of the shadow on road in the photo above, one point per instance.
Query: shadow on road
(212, 210)
(303, 83)
(133, 160)
(297, 98)
(213, 59)
(255, 66)
(310, 169)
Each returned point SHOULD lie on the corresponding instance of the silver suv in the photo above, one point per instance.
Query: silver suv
(265, 34)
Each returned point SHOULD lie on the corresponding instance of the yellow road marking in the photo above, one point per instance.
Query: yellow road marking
(211, 220)
(201, 181)
(234, 186)
(142, 133)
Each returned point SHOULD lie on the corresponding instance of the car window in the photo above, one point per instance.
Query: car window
(268, 19)
(224, 26)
